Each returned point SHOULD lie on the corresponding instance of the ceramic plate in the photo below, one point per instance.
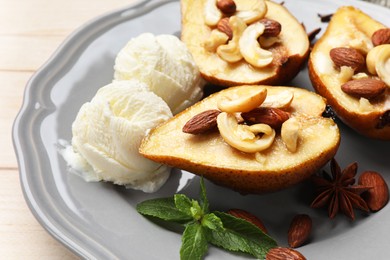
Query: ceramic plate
(99, 220)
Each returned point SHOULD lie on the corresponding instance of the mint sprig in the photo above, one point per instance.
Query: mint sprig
(203, 227)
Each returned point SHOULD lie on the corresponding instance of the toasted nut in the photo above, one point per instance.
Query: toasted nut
(378, 62)
(216, 39)
(243, 214)
(267, 42)
(299, 230)
(290, 134)
(350, 57)
(346, 74)
(223, 26)
(273, 117)
(244, 100)
(284, 253)
(211, 13)
(251, 49)
(282, 99)
(251, 11)
(243, 137)
(231, 52)
(365, 105)
(381, 36)
(366, 87)
(378, 196)
(272, 27)
(201, 123)
(227, 6)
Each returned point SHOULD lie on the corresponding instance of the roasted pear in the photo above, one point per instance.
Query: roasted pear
(243, 42)
(348, 67)
(252, 138)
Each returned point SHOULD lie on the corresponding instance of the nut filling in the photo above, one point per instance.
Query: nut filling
(239, 30)
(365, 74)
(249, 120)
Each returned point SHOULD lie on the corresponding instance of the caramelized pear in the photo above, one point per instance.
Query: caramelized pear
(262, 45)
(358, 95)
(226, 154)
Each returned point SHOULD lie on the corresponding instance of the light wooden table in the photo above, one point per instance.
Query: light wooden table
(30, 31)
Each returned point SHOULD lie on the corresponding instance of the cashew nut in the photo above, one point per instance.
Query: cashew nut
(243, 137)
(244, 99)
(282, 99)
(251, 10)
(231, 52)
(290, 134)
(216, 39)
(378, 62)
(211, 12)
(250, 47)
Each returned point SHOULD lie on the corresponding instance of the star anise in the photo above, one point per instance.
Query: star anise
(339, 192)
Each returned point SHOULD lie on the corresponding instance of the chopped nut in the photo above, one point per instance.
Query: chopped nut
(290, 134)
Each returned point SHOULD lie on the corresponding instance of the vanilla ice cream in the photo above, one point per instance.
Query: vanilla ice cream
(164, 63)
(108, 130)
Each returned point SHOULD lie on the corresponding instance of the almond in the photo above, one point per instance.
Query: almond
(381, 36)
(227, 6)
(378, 196)
(272, 27)
(342, 56)
(273, 117)
(299, 230)
(366, 87)
(201, 123)
(284, 253)
(224, 26)
(240, 213)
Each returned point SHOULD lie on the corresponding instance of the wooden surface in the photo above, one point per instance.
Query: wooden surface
(30, 31)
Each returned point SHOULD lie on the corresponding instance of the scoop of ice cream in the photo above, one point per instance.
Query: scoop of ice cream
(164, 63)
(108, 130)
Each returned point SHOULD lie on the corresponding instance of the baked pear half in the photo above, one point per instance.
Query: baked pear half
(251, 138)
(350, 67)
(242, 42)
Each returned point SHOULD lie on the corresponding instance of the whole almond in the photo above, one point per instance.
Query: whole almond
(227, 6)
(381, 36)
(272, 27)
(378, 196)
(224, 26)
(299, 230)
(202, 123)
(342, 56)
(243, 214)
(273, 117)
(366, 87)
(284, 253)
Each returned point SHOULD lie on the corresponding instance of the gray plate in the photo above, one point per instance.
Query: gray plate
(98, 220)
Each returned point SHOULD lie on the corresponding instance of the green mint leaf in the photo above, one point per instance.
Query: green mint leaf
(211, 221)
(183, 203)
(163, 208)
(196, 210)
(204, 202)
(194, 243)
(241, 235)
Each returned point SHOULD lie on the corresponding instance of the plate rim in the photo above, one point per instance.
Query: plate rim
(97, 24)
